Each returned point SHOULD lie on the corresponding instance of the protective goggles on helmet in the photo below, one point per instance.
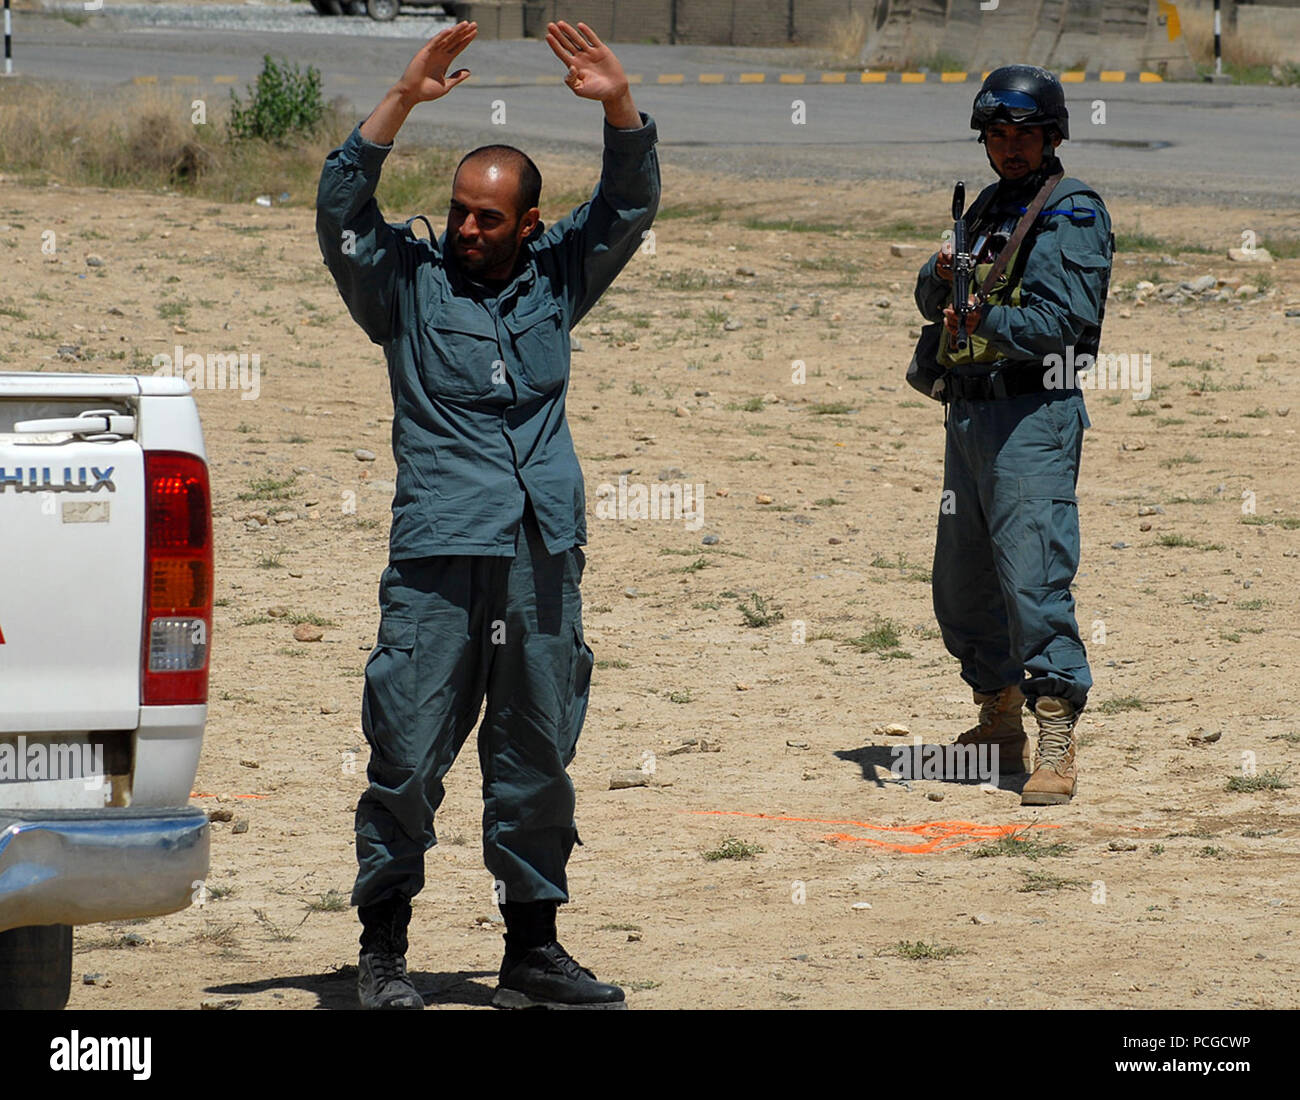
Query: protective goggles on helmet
(1016, 106)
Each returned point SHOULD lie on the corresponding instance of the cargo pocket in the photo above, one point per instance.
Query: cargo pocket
(1047, 554)
(579, 688)
(388, 709)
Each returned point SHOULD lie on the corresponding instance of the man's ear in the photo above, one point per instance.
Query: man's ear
(528, 224)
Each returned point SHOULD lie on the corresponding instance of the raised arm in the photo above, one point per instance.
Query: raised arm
(593, 243)
(361, 250)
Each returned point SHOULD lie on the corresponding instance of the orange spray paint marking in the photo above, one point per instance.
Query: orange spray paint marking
(934, 833)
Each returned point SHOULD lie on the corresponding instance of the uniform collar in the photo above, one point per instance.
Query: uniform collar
(520, 283)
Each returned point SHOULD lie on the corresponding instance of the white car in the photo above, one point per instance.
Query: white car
(105, 624)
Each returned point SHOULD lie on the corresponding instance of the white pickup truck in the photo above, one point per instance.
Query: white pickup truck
(105, 622)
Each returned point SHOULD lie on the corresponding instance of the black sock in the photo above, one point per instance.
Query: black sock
(528, 924)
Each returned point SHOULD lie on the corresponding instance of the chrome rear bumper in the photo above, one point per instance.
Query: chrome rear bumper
(84, 866)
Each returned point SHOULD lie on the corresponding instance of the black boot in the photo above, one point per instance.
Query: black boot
(382, 981)
(538, 973)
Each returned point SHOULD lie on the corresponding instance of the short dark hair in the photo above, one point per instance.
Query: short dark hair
(530, 179)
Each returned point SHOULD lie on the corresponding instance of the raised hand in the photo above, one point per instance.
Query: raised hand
(425, 79)
(426, 76)
(594, 71)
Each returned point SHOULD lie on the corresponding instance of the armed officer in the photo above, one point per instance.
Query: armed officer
(480, 600)
(1007, 547)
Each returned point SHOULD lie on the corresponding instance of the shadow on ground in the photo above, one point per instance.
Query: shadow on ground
(337, 989)
(906, 762)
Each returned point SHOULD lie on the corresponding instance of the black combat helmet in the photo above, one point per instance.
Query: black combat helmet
(1023, 95)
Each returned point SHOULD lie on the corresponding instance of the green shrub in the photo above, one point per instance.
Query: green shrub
(285, 101)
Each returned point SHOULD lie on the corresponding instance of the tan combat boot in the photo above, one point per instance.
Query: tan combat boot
(1055, 769)
(1000, 724)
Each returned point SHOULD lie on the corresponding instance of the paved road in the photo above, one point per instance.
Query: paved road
(1159, 142)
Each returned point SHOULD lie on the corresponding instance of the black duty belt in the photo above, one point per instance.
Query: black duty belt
(998, 383)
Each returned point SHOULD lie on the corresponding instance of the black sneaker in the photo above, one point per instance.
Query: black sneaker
(549, 977)
(382, 982)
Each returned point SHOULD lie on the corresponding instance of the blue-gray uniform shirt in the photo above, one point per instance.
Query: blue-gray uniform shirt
(479, 381)
(1063, 286)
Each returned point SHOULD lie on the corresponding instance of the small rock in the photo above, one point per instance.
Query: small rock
(860, 906)
(240, 826)
(95, 979)
(221, 814)
(748, 272)
(1246, 290)
(1119, 545)
(1250, 256)
(893, 729)
(935, 796)
(882, 302)
(94, 261)
(797, 744)
(709, 540)
(1144, 526)
(631, 593)
(330, 708)
(762, 498)
(305, 632)
(634, 937)
(732, 326)
(249, 763)
(903, 249)
(1282, 410)
(741, 685)
(1136, 444)
(1203, 283)
(980, 918)
(1266, 357)
(575, 344)
(1122, 844)
(621, 781)
(1150, 510)
(278, 611)
(133, 939)
(285, 517)
(362, 455)
(221, 1004)
(681, 411)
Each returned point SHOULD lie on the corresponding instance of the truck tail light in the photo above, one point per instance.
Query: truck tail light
(178, 579)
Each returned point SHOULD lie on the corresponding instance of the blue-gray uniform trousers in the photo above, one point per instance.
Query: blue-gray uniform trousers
(1008, 544)
(454, 632)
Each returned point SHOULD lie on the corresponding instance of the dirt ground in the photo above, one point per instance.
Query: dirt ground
(1157, 887)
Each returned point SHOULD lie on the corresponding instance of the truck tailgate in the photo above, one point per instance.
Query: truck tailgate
(73, 576)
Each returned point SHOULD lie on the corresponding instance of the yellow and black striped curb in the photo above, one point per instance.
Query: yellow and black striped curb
(1105, 76)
